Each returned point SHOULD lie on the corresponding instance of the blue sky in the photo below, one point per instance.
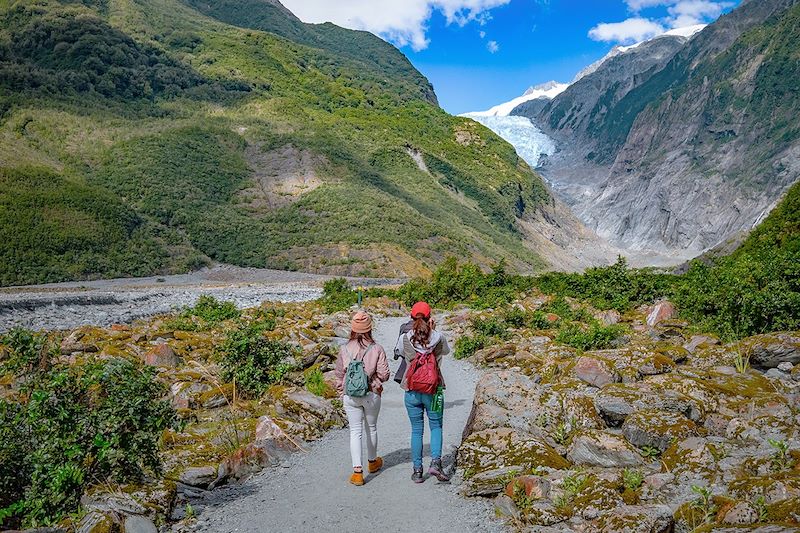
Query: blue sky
(478, 53)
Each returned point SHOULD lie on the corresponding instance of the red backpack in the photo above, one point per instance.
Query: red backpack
(423, 374)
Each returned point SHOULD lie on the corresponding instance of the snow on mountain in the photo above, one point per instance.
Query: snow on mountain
(686, 32)
(546, 90)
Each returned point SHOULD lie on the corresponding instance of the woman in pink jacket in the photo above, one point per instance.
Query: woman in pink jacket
(364, 408)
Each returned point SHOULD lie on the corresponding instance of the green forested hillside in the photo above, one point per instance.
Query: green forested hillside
(161, 138)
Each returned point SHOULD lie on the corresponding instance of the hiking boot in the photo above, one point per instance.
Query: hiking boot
(357, 478)
(437, 470)
(417, 476)
(375, 465)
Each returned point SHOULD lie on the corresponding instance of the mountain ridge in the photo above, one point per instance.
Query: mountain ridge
(238, 145)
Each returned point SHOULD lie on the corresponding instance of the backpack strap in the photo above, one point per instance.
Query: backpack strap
(362, 353)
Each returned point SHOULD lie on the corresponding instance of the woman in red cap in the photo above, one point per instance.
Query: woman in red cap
(422, 346)
(364, 404)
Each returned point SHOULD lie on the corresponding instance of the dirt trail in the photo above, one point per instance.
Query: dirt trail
(311, 492)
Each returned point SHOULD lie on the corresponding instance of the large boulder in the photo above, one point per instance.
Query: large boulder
(507, 399)
(139, 524)
(77, 341)
(635, 519)
(487, 458)
(617, 401)
(198, 476)
(598, 448)
(657, 429)
(595, 371)
(771, 349)
(161, 355)
(660, 312)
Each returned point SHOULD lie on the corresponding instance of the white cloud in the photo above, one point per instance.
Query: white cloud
(638, 5)
(482, 34)
(402, 22)
(680, 14)
(493, 47)
(632, 30)
(691, 12)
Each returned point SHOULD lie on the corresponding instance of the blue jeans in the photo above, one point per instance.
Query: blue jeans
(417, 404)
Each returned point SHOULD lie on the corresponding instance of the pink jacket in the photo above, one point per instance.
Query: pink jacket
(375, 365)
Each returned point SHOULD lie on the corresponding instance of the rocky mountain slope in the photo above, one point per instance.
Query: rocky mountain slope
(713, 151)
(153, 137)
(693, 143)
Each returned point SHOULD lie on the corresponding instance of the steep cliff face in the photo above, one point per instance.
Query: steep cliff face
(577, 117)
(715, 140)
(579, 113)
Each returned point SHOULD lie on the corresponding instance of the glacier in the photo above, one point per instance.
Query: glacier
(529, 141)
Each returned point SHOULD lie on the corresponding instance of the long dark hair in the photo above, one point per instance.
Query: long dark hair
(363, 339)
(421, 330)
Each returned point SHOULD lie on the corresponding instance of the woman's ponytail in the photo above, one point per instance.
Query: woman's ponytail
(421, 330)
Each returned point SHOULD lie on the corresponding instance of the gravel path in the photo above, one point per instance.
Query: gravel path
(311, 492)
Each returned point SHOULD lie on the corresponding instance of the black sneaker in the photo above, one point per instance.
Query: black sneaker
(417, 476)
(437, 471)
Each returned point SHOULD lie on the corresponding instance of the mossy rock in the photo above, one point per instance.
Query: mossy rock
(695, 456)
(504, 448)
(675, 353)
(657, 429)
(634, 519)
(786, 511)
(597, 495)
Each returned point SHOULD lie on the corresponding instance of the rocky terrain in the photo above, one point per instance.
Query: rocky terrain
(668, 430)
(224, 432)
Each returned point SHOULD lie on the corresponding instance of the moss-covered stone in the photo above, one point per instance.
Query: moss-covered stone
(498, 449)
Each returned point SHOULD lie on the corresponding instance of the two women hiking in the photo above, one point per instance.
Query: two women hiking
(361, 370)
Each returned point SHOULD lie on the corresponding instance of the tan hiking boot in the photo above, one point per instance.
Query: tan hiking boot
(357, 478)
(375, 465)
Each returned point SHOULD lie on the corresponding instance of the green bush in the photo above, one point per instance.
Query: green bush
(453, 283)
(516, 318)
(253, 361)
(612, 287)
(315, 382)
(591, 337)
(337, 295)
(93, 423)
(24, 351)
(490, 327)
(466, 346)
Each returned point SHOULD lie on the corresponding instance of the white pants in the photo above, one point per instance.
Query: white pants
(365, 408)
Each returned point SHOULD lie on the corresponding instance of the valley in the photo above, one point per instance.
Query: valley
(197, 196)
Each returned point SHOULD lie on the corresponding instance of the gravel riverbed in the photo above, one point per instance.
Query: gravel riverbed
(118, 301)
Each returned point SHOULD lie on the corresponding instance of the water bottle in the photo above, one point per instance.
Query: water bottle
(437, 405)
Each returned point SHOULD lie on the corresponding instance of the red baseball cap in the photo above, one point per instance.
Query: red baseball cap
(421, 308)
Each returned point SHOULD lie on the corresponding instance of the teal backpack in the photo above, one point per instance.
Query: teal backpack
(356, 381)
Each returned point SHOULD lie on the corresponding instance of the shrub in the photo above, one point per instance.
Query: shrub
(337, 295)
(452, 283)
(466, 346)
(98, 422)
(25, 351)
(612, 287)
(315, 383)
(212, 310)
(253, 361)
(592, 337)
(516, 318)
(489, 327)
